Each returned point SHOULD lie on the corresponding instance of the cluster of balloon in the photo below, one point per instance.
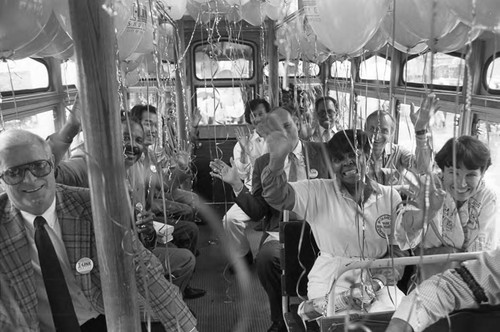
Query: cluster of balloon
(345, 26)
(399, 37)
(21, 21)
(481, 14)
(296, 40)
(175, 8)
(456, 39)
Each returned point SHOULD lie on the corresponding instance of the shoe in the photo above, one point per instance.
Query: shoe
(193, 293)
(248, 259)
(278, 327)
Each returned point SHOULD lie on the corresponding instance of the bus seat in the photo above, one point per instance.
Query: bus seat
(292, 271)
(485, 318)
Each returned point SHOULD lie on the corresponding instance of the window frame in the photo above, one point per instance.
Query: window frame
(222, 40)
(453, 88)
(10, 93)
(293, 76)
(484, 73)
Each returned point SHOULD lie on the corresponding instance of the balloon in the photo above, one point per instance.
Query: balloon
(238, 2)
(130, 65)
(403, 40)
(165, 41)
(175, 8)
(41, 41)
(487, 13)
(456, 39)
(61, 47)
(131, 78)
(274, 13)
(296, 40)
(201, 12)
(422, 16)
(20, 22)
(122, 10)
(378, 41)
(251, 13)
(129, 40)
(233, 15)
(146, 43)
(345, 26)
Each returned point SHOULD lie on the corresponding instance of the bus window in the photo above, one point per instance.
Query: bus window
(375, 68)
(492, 77)
(224, 60)
(219, 106)
(340, 69)
(489, 133)
(295, 69)
(25, 74)
(443, 127)
(41, 124)
(448, 70)
(68, 73)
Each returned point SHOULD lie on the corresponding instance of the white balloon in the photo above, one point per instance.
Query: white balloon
(175, 8)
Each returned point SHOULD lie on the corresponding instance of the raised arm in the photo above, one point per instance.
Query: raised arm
(473, 283)
(60, 141)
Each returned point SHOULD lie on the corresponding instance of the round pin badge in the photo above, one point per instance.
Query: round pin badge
(152, 168)
(84, 265)
(313, 174)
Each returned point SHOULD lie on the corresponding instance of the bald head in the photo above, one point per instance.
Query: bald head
(26, 162)
(17, 138)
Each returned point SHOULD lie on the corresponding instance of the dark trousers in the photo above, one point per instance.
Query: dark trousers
(98, 324)
(269, 272)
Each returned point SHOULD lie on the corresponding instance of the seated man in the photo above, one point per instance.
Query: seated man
(179, 203)
(245, 152)
(350, 215)
(475, 282)
(73, 172)
(50, 227)
(304, 162)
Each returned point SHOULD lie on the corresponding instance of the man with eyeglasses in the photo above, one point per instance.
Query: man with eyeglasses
(48, 253)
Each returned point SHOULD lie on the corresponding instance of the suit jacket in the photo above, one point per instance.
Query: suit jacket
(75, 217)
(255, 206)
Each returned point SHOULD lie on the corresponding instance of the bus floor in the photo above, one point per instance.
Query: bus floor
(226, 306)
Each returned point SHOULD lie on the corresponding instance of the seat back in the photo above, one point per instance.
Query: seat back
(296, 263)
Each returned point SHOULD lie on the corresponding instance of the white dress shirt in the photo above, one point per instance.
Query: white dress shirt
(83, 309)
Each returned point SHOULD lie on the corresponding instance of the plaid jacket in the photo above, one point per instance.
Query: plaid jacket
(75, 217)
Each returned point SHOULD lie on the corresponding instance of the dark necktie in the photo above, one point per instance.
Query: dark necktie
(294, 165)
(60, 301)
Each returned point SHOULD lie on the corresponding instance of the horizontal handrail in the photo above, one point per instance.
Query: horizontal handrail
(399, 261)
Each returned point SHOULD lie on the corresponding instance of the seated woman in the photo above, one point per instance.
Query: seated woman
(462, 218)
(350, 215)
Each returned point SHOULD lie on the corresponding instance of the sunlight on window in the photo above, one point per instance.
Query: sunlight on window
(224, 60)
(448, 70)
(295, 69)
(489, 133)
(220, 106)
(493, 75)
(41, 124)
(341, 69)
(375, 68)
(25, 74)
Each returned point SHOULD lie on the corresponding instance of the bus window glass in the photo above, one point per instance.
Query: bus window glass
(340, 69)
(41, 124)
(295, 69)
(220, 106)
(493, 75)
(368, 105)
(25, 74)
(448, 70)
(224, 60)
(443, 127)
(68, 73)
(343, 99)
(489, 133)
(375, 68)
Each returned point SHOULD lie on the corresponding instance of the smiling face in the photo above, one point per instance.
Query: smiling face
(133, 144)
(326, 113)
(149, 122)
(350, 168)
(34, 194)
(257, 114)
(380, 130)
(461, 182)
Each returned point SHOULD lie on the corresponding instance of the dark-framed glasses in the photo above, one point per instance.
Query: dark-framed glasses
(15, 175)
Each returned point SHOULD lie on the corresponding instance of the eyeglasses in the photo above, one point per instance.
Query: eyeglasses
(15, 175)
